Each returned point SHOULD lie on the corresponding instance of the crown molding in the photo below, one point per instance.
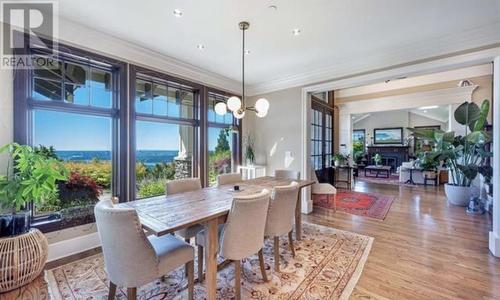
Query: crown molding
(446, 46)
(81, 36)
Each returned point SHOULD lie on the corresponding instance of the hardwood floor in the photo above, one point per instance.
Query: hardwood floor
(424, 249)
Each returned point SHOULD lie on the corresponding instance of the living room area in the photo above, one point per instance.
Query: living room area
(380, 118)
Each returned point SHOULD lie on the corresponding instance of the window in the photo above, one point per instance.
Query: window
(322, 140)
(222, 140)
(72, 114)
(117, 138)
(164, 134)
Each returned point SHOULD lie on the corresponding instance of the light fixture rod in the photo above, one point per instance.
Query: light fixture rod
(243, 26)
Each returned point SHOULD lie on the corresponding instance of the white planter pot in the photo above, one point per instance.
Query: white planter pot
(457, 195)
(336, 163)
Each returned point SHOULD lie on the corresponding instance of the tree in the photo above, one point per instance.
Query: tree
(222, 142)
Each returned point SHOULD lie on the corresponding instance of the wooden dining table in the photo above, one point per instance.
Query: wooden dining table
(209, 206)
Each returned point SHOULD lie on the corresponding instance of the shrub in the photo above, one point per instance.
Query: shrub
(78, 190)
(99, 171)
(150, 188)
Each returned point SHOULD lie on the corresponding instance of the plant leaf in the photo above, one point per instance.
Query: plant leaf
(467, 113)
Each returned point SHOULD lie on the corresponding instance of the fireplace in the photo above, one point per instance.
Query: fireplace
(392, 156)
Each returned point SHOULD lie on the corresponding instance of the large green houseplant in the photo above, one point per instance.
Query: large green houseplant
(463, 155)
(31, 177)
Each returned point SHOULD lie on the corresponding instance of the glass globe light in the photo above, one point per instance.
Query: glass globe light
(233, 103)
(220, 108)
(239, 114)
(261, 113)
(262, 105)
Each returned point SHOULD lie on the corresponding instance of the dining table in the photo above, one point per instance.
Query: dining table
(208, 206)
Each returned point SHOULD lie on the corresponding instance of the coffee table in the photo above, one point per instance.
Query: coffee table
(386, 170)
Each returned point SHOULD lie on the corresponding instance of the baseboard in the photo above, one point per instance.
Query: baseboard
(494, 244)
(73, 246)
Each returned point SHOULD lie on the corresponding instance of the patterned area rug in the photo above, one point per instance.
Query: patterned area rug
(362, 204)
(327, 265)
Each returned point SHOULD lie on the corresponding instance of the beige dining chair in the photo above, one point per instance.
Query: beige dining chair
(182, 186)
(281, 217)
(131, 259)
(229, 178)
(242, 235)
(322, 188)
(287, 174)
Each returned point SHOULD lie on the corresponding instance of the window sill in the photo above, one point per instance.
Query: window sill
(47, 225)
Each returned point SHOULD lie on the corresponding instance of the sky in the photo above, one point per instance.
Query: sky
(67, 131)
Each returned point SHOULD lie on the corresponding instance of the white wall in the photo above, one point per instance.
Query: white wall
(278, 132)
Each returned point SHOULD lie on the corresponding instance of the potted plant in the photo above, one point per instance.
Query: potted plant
(428, 164)
(465, 155)
(31, 177)
(339, 159)
(249, 151)
(377, 159)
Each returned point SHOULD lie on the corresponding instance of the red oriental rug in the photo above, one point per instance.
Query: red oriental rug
(362, 204)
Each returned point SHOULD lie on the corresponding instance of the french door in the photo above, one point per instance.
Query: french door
(322, 141)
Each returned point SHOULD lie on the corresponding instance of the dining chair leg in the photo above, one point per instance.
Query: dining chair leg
(237, 279)
(200, 263)
(277, 253)
(190, 268)
(290, 241)
(185, 269)
(131, 293)
(112, 291)
(262, 266)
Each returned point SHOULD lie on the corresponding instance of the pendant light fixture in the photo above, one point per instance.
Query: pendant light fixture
(237, 105)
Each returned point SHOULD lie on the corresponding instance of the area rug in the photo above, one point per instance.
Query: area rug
(327, 265)
(362, 204)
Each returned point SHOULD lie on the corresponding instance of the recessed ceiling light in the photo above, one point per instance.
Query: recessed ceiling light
(247, 52)
(296, 31)
(177, 13)
(428, 107)
(273, 7)
(200, 46)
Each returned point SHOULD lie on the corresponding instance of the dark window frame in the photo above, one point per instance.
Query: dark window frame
(237, 139)
(24, 105)
(124, 117)
(137, 72)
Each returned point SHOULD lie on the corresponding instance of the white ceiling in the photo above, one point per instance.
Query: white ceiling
(334, 32)
(439, 113)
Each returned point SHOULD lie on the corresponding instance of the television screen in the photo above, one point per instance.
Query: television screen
(388, 135)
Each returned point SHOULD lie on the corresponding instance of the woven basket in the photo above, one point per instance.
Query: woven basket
(22, 259)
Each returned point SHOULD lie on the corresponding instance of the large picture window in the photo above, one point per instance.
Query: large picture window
(222, 140)
(117, 138)
(72, 114)
(164, 134)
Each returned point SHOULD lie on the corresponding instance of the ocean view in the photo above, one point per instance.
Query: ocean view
(148, 157)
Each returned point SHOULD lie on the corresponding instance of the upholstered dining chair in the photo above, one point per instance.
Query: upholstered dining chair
(131, 259)
(287, 174)
(281, 217)
(182, 186)
(228, 178)
(322, 188)
(242, 235)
